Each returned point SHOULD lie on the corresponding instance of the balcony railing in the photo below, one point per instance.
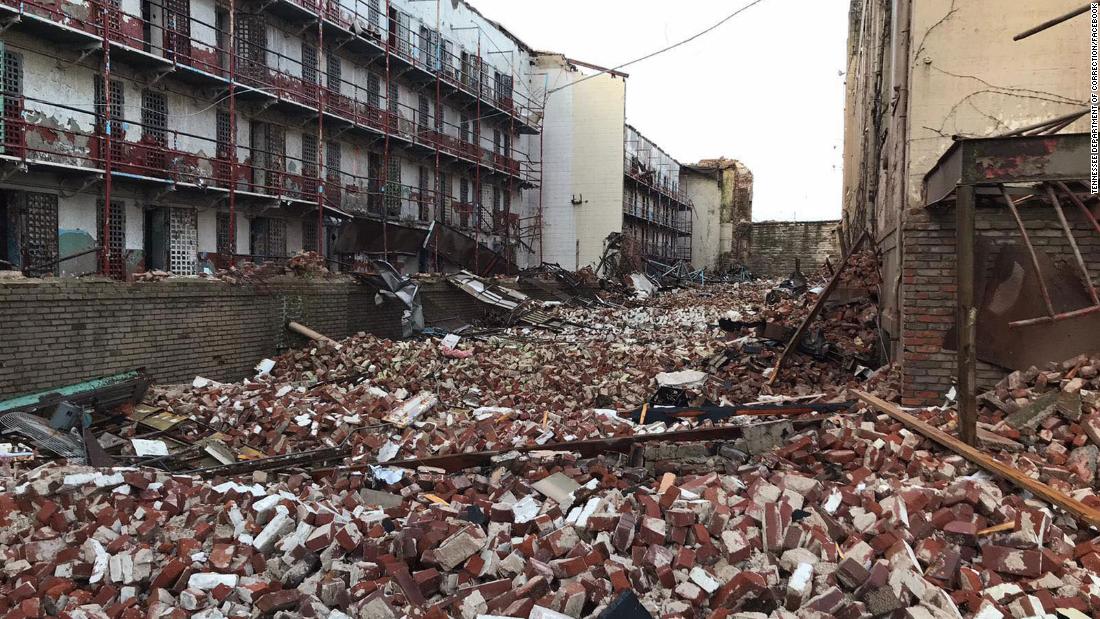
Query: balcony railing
(170, 38)
(645, 178)
(658, 215)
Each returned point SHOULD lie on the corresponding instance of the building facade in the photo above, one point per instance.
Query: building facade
(721, 191)
(183, 134)
(602, 176)
(923, 76)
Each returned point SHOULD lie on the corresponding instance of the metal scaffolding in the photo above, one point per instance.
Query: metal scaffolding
(235, 66)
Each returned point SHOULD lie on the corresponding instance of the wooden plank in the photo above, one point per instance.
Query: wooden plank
(1075, 508)
(966, 316)
(818, 306)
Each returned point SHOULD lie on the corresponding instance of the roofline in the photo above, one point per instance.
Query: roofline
(655, 145)
(508, 33)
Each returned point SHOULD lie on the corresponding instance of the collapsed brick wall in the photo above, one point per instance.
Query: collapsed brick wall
(929, 287)
(774, 245)
(58, 332)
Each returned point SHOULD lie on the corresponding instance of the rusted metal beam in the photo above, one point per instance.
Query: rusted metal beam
(1019, 159)
(818, 306)
(1050, 23)
(966, 315)
(1075, 508)
(587, 449)
(1073, 244)
(1080, 205)
(1047, 124)
(1085, 311)
(1030, 250)
(315, 459)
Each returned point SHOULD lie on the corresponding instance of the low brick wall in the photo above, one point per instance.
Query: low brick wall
(929, 288)
(774, 245)
(56, 332)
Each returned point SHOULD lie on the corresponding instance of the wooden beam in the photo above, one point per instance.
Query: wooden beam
(1075, 508)
(310, 333)
(966, 316)
(802, 328)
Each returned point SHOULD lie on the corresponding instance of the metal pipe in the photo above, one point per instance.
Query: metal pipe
(477, 150)
(232, 133)
(391, 92)
(1055, 318)
(1073, 244)
(1046, 123)
(1081, 205)
(1030, 250)
(1050, 23)
(439, 123)
(105, 257)
(322, 150)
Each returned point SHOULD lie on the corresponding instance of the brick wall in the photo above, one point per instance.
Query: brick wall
(56, 332)
(775, 244)
(929, 287)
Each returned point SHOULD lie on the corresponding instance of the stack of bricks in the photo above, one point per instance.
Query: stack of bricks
(929, 285)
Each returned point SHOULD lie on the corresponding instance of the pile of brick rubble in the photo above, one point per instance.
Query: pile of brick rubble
(855, 517)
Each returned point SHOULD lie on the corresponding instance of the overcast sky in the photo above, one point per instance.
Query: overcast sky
(766, 88)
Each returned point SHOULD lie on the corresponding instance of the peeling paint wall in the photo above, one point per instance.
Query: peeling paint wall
(921, 72)
(705, 190)
(969, 77)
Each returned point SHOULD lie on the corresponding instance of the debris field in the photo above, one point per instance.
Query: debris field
(648, 459)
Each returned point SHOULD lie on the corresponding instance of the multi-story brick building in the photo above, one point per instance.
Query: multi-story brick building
(178, 134)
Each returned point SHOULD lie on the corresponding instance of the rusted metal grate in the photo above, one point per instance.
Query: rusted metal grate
(333, 161)
(374, 173)
(393, 188)
(444, 197)
(268, 238)
(309, 63)
(422, 113)
(393, 97)
(422, 195)
(268, 155)
(116, 236)
(183, 241)
(154, 125)
(374, 14)
(310, 171)
(38, 233)
(374, 91)
(222, 234)
(309, 234)
(177, 26)
(118, 103)
(11, 126)
(333, 72)
(251, 32)
(222, 135)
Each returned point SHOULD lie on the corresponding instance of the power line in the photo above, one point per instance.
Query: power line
(661, 51)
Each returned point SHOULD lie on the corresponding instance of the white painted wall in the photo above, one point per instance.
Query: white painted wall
(583, 158)
(706, 194)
